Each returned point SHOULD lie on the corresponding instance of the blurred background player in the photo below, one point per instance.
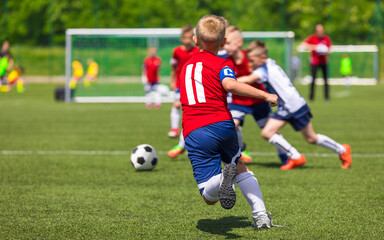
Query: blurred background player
(77, 73)
(292, 109)
(92, 71)
(151, 66)
(241, 105)
(209, 130)
(346, 68)
(14, 77)
(319, 44)
(180, 56)
(4, 66)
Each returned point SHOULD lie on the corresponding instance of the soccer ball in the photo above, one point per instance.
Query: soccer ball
(322, 49)
(144, 157)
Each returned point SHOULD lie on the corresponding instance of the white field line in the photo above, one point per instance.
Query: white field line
(80, 152)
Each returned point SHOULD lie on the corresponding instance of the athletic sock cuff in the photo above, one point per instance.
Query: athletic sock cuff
(243, 176)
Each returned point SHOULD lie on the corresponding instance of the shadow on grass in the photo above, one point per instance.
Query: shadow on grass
(223, 226)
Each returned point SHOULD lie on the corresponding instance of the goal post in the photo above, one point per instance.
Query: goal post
(364, 58)
(120, 53)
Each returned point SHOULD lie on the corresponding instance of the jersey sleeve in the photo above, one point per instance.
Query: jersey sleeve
(262, 73)
(227, 72)
(173, 60)
(310, 40)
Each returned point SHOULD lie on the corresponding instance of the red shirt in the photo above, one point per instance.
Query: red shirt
(203, 98)
(317, 59)
(151, 68)
(180, 56)
(244, 69)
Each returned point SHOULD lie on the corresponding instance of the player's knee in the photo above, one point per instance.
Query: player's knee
(266, 134)
(177, 104)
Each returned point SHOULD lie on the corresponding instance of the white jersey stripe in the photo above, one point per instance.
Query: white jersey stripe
(199, 84)
(188, 85)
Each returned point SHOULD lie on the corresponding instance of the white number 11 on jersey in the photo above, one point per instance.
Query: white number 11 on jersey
(198, 84)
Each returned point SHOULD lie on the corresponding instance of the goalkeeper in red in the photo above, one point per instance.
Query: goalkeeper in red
(208, 127)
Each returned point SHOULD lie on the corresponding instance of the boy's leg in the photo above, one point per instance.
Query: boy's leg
(178, 149)
(270, 132)
(148, 98)
(250, 189)
(175, 116)
(238, 114)
(344, 150)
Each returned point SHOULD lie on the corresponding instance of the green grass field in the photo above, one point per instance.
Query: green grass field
(50, 191)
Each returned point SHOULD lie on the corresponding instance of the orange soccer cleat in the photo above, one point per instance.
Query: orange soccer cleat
(294, 163)
(346, 157)
(176, 151)
(246, 157)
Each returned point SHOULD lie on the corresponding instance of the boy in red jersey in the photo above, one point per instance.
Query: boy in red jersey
(180, 56)
(208, 127)
(240, 106)
(151, 66)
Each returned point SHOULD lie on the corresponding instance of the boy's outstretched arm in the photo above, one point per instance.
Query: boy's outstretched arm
(252, 78)
(242, 89)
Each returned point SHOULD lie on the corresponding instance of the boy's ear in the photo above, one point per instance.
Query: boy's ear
(194, 38)
(223, 42)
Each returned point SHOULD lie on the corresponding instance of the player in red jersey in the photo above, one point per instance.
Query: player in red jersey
(180, 56)
(151, 66)
(319, 44)
(241, 105)
(208, 127)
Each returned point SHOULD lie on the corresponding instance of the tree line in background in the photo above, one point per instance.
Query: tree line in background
(43, 22)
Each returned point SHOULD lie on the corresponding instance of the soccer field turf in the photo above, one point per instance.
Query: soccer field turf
(53, 185)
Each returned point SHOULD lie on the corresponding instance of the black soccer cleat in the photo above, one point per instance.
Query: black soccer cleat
(227, 194)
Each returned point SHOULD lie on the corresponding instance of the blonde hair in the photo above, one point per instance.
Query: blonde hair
(211, 30)
(232, 29)
(258, 46)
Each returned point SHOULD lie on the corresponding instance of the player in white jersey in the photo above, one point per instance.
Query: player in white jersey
(292, 109)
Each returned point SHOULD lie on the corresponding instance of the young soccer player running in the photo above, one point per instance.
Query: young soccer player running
(208, 127)
(241, 105)
(151, 66)
(77, 74)
(292, 109)
(92, 71)
(180, 56)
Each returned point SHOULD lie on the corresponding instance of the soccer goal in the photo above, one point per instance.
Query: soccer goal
(364, 59)
(120, 53)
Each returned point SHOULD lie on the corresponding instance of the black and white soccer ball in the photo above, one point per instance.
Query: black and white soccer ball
(144, 157)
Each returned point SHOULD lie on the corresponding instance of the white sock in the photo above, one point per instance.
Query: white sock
(250, 188)
(329, 143)
(148, 98)
(240, 137)
(211, 188)
(280, 142)
(181, 140)
(175, 117)
(157, 97)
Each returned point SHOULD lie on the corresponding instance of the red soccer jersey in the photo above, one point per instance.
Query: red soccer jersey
(180, 56)
(244, 69)
(203, 98)
(151, 68)
(317, 59)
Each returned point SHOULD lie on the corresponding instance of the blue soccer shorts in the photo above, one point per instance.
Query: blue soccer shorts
(260, 112)
(210, 145)
(298, 119)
